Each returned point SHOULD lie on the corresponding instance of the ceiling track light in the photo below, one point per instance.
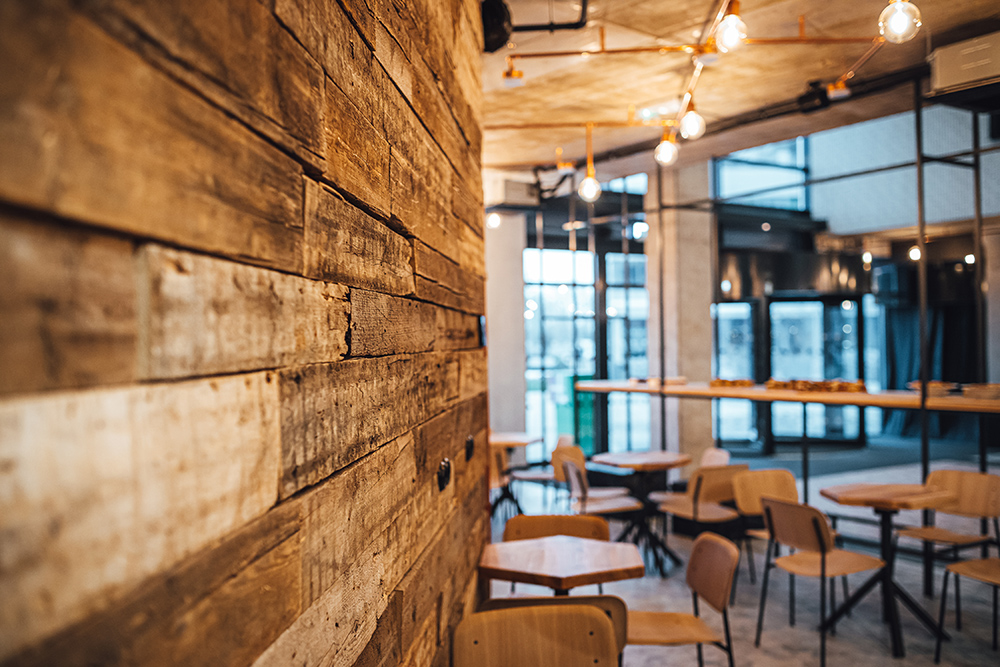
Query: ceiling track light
(899, 22)
(590, 187)
(731, 33)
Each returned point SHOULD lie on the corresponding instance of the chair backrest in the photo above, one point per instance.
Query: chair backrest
(711, 569)
(576, 478)
(750, 486)
(498, 466)
(714, 484)
(569, 635)
(797, 525)
(566, 452)
(977, 494)
(714, 456)
(613, 607)
(527, 527)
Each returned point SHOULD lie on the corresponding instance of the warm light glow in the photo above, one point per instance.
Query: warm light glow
(766, 226)
(970, 259)
(731, 33)
(692, 125)
(493, 220)
(589, 190)
(866, 257)
(666, 151)
(899, 22)
(914, 254)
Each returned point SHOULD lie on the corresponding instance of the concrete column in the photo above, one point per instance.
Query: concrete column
(991, 250)
(683, 239)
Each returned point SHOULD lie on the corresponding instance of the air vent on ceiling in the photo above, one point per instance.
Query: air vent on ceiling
(967, 74)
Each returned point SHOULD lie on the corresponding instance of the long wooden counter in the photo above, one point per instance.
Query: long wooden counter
(908, 400)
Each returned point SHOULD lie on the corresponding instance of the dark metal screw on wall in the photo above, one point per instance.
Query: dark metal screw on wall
(470, 447)
(444, 474)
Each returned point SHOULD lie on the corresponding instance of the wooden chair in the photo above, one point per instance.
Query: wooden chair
(807, 530)
(710, 574)
(707, 488)
(714, 456)
(986, 570)
(977, 495)
(547, 476)
(570, 635)
(583, 500)
(500, 480)
(575, 455)
(528, 527)
(613, 607)
(749, 487)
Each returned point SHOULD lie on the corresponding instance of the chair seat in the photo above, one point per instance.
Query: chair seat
(660, 628)
(665, 496)
(616, 505)
(986, 570)
(942, 535)
(601, 492)
(537, 475)
(838, 563)
(681, 506)
(757, 534)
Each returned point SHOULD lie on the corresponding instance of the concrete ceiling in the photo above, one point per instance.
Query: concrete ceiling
(598, 88)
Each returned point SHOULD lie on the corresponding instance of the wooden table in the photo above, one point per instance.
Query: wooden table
(646, 464)
(561, 562)
(887, 500)
(509, 440)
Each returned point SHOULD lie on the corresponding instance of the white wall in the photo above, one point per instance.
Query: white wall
(505, 322)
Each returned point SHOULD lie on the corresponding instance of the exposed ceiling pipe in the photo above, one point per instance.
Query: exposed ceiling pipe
(551, 27)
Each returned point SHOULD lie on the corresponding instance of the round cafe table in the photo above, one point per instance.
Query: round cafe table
(646, 465)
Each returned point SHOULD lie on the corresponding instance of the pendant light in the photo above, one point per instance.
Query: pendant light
(899, 22)
(667, 150)
(590, 187)
(692, 124)
(732, 31)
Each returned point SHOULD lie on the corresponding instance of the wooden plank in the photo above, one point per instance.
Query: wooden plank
(385, 649)
(346, 245)
(236, 54)
(104, 488)
(357, 155)
(382, 325)
(467, 207)
(455, 330)
(90, 131)
(246, 318)
(334, 414)
(443, 281)
(68, 307)
(416, 205)
(341, 515)
(223, 605)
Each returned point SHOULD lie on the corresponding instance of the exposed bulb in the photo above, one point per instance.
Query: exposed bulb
(899, 22)
(493, 220)
(692, 125)
(666, 152)
(589, 189)
(730, 34)
(914, 254)
(866, 257)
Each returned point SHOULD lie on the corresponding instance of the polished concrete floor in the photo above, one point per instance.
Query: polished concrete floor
(861, 639)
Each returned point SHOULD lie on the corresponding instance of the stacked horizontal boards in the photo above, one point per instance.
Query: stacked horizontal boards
(242, 256)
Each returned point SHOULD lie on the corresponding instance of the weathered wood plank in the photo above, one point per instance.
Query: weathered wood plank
(357, 155)
(341, 516)
(345, 245)
(90, 131)
(384, 649)
(222, 606)
(101, 489)
(382, 325)
(68, 308)
(443, 281)
(416, 205)
(246, 318)
(236, 54)
(467, 207)
(455, 330)
(333, 414)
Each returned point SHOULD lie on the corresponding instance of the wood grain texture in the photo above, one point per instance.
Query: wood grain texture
(236, 54)
(246, 318)
(67, 308)
(345, 245)
(385, 648)
(443, 281)
(235, 597)
(382, 325)
(107, 487)
(88, 130)
(333, 414)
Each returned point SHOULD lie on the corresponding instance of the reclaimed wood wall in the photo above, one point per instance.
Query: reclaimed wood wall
(241, 259)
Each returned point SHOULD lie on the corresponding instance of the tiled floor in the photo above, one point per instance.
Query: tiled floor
(861, 639)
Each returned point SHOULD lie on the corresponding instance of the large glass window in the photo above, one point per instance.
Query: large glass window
(627, 311)
(735, 420)
(773, 176)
